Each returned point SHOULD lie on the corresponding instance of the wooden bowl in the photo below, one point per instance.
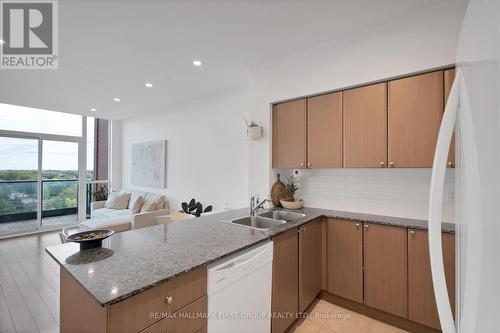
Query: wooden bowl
(292, 204)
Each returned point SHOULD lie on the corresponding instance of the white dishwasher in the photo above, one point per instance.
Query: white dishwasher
(239, 292)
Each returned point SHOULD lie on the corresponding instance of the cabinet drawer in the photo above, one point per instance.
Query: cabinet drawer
(142, 310)
(190, 319)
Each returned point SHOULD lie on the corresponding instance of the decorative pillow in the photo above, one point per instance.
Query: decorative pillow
(135, 202)
(158, 199)
(117, 200)
(148, 206)
(136, 206)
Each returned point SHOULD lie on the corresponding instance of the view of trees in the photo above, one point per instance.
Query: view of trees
(18, 190)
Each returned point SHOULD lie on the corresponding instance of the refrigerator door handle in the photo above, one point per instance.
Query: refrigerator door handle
(435, 207)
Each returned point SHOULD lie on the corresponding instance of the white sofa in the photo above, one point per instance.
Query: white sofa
(125, 219)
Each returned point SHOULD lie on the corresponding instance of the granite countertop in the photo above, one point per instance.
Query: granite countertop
(133, 261)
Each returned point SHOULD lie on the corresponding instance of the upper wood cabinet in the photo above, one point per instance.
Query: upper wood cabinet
(345, 259)
(285, 280)
(386, 275)
(324, 131)
(449, 77)
(421, 301)
(310, 260)
(365, 126)
(289, 134)
(415, 112)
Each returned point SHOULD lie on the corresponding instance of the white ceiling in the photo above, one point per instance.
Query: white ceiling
(111, 48)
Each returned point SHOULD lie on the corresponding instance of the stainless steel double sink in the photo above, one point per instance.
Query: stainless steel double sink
(267, 220)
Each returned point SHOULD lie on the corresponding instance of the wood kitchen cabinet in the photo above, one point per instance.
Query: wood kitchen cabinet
(285, 298)
(365, 126)
(289, 134)
(415, 110)
(310, 260)
(449, 77)
(345, 259)
(421, 302)
(324, 131)
(177, 298)
(385, 274)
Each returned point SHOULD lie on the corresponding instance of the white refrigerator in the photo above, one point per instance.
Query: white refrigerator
(473, 109)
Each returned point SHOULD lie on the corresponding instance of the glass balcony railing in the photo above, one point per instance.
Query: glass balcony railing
(18, 198)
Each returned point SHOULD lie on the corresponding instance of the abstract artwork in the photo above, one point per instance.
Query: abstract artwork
(149, 161)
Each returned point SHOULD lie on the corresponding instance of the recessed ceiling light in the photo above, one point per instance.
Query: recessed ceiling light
(116, 99)
(197, 63)
(93, 109)
(148, 85)
(2, 41)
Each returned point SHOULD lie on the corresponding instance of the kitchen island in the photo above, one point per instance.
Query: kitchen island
(141, 276)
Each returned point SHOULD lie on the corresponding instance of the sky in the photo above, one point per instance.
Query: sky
(22, 154)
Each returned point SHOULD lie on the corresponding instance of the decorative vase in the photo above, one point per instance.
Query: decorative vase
(277, 192)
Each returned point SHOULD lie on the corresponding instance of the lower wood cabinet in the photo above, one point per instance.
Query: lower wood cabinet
(344, 252)
(176, 305)
(134, 314)
(386, 268)
(421, 302)
(189, 319)
(285, 300)
(310, 260)
(386, 275)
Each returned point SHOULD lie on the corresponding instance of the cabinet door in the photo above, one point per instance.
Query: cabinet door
(289, 134)
(365, 127)
(324, 131)
(386, 279)
(345, 259)
(449, 76)
(415, 113)
(421, 302)
(285, 280)
(309, 263)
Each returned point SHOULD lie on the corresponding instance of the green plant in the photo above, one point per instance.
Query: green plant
(195, 208)
(101, 193)
(290, 188)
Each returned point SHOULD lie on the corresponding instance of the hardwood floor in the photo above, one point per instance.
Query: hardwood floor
(29, 285)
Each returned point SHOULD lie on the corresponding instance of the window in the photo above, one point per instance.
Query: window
(23, 119)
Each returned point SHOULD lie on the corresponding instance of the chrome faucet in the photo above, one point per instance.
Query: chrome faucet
(255, 204)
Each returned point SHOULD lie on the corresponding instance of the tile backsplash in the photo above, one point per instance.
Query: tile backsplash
(393, 192)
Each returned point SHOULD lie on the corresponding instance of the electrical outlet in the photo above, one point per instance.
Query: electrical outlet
(451, 195)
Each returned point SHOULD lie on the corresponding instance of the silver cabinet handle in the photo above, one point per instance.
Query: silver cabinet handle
(366, 226)
(382, 164)
(391, 164)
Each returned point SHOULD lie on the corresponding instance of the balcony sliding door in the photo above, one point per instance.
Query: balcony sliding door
(19, 164)
(59, 183)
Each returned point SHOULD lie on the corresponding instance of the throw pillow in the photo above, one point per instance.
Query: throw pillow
(148, 206)
(117, 200)
(135, 203)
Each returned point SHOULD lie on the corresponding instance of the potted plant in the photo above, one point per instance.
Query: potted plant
(194, 208)
(290, 189)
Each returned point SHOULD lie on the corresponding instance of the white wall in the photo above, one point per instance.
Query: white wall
(423, 40)
(207, 150)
